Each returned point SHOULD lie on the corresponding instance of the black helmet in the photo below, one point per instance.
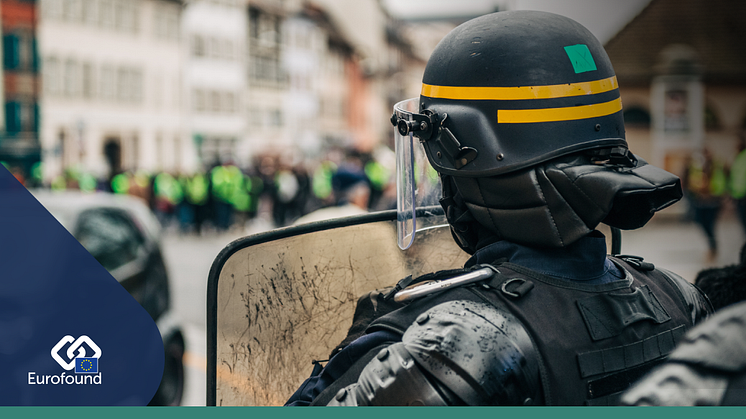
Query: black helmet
(520, 113)
(519, 88)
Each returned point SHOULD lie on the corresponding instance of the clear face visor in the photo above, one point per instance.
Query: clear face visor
(417, 183)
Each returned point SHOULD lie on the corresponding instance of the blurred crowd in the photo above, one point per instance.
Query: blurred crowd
(279, 191)
(710, 185)
(273, 190)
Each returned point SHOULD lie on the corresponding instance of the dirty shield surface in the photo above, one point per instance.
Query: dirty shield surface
(279, 300)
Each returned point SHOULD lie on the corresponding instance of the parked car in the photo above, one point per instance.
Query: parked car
(124, 236)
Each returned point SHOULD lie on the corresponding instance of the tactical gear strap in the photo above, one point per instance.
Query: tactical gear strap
(614, 156)
(607, 315)
(637, 262)
(607, 390)
(516, 287)
(691, 296)
(403, 283)
(632, 355)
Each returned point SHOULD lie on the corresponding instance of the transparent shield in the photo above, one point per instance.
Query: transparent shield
(277, 304)
(417, 183)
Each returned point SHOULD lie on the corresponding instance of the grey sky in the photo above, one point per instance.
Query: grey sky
(602, 17)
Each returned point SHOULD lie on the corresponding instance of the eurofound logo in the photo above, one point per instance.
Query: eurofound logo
(84, 364)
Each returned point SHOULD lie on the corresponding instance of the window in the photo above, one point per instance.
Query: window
(51, 9)
(108, 83)
(89, 83)
(123, 85)
(71, 80)
(20, 117)
(229, 102)
(90, 12)
(253, 22)
(198, 100)
(27, 116)
(213, 49)
(129, 85)
(106, 13)
(214, 101)
(275, 118)
(51, 76)
(26, 51)
(157, 91)
(636, 117)
(110, 236)
(255, 118)
(11, 51)
(137, 87)
(172, 24)
(12, 117)
(166, 22)
(177, 152)
(71, 10)
(125, 15)
(198, 46)
(228, 53)
(159, 151)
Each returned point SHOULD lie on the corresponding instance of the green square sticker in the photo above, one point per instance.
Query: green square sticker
(581, 58)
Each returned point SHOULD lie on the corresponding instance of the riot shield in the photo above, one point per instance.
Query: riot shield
(279, 300)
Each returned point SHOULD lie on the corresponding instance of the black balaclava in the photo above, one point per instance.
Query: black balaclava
(555, 203)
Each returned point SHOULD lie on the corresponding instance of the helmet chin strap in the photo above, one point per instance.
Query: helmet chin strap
(463, 225)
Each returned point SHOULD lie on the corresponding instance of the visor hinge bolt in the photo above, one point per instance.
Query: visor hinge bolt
(500, 156)
(598, 127)
(439, 154)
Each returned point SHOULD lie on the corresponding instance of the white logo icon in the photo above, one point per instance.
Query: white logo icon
(76, 345)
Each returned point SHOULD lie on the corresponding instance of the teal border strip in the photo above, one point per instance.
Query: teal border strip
(371, 412)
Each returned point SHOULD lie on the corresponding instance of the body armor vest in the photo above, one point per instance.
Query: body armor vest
(593, 340)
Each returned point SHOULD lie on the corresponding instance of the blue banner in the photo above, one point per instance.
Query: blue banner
(70, 334)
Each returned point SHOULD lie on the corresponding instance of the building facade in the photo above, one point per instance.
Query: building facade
(681, 66)
(179, 86)
(19, 122)
(267, 82)
(214, 34)
(112, 86)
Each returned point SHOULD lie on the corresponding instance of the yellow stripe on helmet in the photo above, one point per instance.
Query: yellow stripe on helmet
(520, 92)
(528, 116)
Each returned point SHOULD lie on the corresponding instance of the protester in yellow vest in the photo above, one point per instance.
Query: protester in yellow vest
(705, 183)
(737, 184)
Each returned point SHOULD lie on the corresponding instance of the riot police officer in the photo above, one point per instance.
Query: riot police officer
(708, 368)
(520, 115)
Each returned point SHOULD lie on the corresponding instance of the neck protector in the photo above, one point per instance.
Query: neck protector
(556, 203)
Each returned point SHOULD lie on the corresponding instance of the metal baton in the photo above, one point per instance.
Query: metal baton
(440, 286)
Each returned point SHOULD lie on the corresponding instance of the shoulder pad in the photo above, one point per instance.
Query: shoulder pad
(719, 343)
(697, 302)
(694, 299)
(637, 262)
(676, 385)
(479, 352)
(698, 372)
